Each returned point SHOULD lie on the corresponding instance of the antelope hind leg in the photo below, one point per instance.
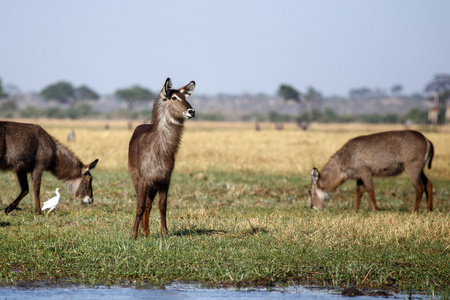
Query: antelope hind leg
(22, 177)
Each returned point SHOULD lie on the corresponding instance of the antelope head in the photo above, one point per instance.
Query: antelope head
(318, 196)
(81, 186)
(175, 105)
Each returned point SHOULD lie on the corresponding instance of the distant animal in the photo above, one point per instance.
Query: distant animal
(27, 148)
(304, 124)
(71, 136)
(279, 126)
(51, 203)
(433, 113)
(152, 149)
(447, 113)
(377, 155)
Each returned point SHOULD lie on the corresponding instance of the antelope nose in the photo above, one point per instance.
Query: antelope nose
(191, 111)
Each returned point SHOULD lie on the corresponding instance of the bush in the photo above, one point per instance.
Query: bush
(212, 116)
(81, 110)
(416, 116)
(8, 109)
(275, 116)
(32, 112)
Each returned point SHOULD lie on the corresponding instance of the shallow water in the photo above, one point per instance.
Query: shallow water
(178, 291)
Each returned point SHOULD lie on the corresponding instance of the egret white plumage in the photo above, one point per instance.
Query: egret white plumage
(52, 202)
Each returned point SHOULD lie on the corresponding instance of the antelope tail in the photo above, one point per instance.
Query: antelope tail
(430, 154)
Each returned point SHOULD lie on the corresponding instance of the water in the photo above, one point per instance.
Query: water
(179, 292)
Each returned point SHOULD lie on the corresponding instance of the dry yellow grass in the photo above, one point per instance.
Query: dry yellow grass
(236, 147)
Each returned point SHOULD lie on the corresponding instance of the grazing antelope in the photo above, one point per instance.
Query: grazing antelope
(27, 148)
(152, 149)
(381, 155)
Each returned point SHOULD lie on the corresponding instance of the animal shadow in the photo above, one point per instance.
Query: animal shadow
(4, 224)
(197, 231)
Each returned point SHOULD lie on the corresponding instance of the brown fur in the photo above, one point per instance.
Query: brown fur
(27, 148)
(152, 149)
(378, 155)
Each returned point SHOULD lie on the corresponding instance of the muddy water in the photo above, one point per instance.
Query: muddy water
(179, 292)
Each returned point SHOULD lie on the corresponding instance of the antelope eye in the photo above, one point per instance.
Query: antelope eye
(174, 98)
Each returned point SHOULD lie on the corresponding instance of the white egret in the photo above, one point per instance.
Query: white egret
(52, 202)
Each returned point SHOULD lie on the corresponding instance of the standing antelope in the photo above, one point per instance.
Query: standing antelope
(447, 113)
(381, 155)
(433, 113)
(27, 148)
(152, 149)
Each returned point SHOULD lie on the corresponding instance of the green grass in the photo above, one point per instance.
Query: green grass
(240, 229)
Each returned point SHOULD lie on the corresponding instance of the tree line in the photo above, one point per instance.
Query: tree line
(310, 101)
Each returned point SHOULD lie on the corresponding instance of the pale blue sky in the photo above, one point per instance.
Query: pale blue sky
(231, 46)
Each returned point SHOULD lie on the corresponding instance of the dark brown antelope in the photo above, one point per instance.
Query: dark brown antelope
(151, 154)
(378, 155)
(27, 148)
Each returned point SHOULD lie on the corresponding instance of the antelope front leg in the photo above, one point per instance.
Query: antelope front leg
(139, 213)
(146, 216)
(368, 183)
(162, 210)
(37, 175)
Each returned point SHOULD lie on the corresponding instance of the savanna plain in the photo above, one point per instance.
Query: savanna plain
(238, 215)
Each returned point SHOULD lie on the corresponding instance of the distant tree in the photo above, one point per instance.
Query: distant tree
(133, 95)
(287, 92)
(83, 92)
(3, 94)
(8, 108)
(396, 90)
(62, 91)
(441, 85)
(360, 93)
(313, 97)
(417, 96)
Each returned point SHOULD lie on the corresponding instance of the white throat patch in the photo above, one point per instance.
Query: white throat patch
(174, 121)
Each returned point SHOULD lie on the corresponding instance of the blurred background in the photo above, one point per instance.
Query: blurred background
(256, 61)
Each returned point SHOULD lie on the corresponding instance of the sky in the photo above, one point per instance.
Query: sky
(230, 47)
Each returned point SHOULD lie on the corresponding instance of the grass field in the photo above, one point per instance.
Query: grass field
(237, 215)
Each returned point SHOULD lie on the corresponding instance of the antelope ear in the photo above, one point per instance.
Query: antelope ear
(188, 89)
(315, 175)
(166, 88)
(91, 166)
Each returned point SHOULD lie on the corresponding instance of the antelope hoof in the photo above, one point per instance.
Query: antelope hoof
(8, 209)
